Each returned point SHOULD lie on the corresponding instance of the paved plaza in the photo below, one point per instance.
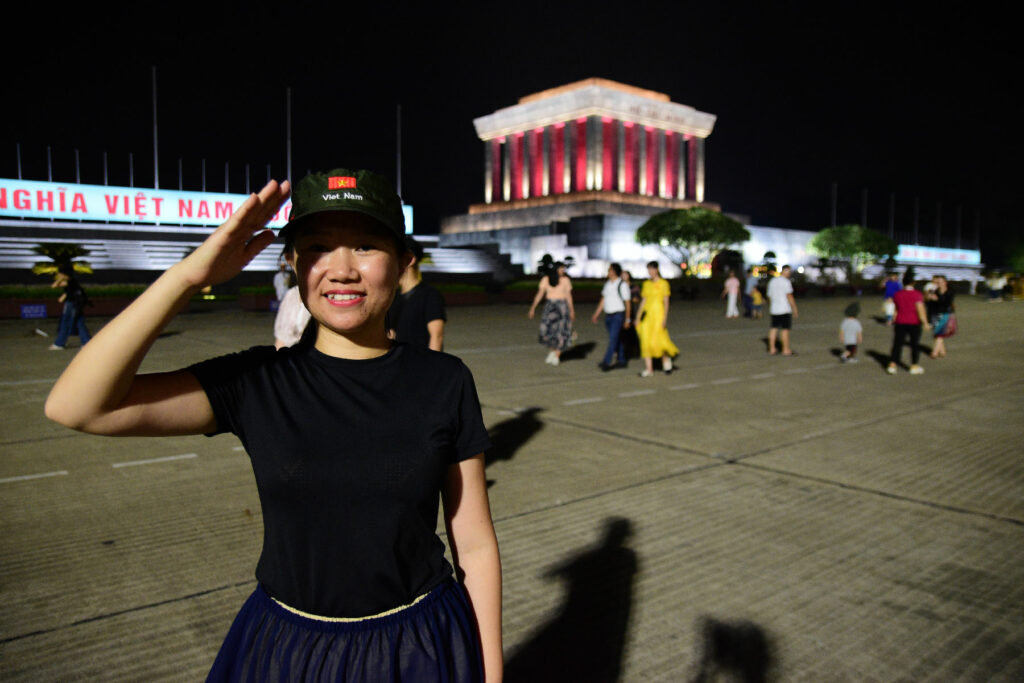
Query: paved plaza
(811, 520)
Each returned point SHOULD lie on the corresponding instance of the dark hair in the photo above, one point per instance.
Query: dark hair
(654, 264)
(908, 278)
(786, 266)
(553, 273)
(616, 268)
(852, 311)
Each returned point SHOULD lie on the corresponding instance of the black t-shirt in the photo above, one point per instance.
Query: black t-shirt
(943, 303)
(349, 458)
(411, 312)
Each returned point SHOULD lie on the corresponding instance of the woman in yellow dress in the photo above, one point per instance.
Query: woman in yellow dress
(654, 339)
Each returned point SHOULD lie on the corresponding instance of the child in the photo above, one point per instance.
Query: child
(756, 303)
(850, 333)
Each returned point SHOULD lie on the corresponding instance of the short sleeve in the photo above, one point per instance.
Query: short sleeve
(471, 436)
(223, 380)
(435, 306)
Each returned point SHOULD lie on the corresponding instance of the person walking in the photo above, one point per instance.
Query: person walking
(941, 314)
(750, 285)
(782, 308)
(851, 333)
(907, 323)
(353, 440)
(653, 326)
(72, 317)
(615, 302)
(558, 316)
(731, 292)
(892, 285)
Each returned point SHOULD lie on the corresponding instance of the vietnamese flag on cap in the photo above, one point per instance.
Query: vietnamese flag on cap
(339, 182)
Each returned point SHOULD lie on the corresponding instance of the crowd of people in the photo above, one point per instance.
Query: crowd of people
(643, 313)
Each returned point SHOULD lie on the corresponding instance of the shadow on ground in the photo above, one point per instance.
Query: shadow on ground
(739, 650)
(585, 641)
(508, 436)
(578, 352)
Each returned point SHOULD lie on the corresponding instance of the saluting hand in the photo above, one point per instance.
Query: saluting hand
(236, 242)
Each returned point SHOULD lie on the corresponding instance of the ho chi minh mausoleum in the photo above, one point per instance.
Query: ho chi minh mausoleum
(576, 169)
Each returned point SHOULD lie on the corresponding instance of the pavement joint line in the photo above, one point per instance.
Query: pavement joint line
(875, 420)
(795, 371)
(581, 401)
(150, 461)
(680, 387)
(27, 477)
(21, 382)
(762, 375)
(725, 380)
(881, 493)
(638, 392)
(130, 610)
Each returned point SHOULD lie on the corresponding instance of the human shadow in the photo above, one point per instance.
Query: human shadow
(880, 319)
(508, 436)
(836, 351)
(586, 640)
(578, 352)
(881, 358)
(741, 650)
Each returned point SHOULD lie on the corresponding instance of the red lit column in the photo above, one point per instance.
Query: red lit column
(670, 163)
(607, 153)
(516, 152)
(581, 155)
(537, 163)
(629, 157)
(558, 159)
(493, 189)
(652, 161)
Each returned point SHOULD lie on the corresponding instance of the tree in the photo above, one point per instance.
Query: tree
(852, 247)
(61, 256)
(697, 231)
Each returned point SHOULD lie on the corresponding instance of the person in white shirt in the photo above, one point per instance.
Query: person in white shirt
(615, 302)
(782, 307)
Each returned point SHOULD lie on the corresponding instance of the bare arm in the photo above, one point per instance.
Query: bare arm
(597, 311)
(792, 304)
(542, 289)
(435, 328)
(100, 392)
(922, 314)
(475, 554)
(664, 322)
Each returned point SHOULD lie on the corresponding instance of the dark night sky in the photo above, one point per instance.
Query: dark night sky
(915, 102)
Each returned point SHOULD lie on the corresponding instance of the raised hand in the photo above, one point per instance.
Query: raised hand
(237, 241)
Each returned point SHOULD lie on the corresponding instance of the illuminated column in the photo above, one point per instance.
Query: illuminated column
(629, 157)
(488, 175)
(670, 163)
(662, 186)
(641, 166)
(594, 142)
(651, 144)
(545, 151)
(557, 154)
(691, 166)
(516, 152)
(699, 196)
(681, 167)
(580, 152)
(608, 154)
(524, 144)
(506, 172)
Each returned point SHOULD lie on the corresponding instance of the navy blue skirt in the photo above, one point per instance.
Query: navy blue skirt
(434, 639)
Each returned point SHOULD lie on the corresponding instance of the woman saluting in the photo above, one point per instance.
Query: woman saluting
(351, 438)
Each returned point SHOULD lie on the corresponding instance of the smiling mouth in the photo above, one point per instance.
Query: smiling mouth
(342, 297)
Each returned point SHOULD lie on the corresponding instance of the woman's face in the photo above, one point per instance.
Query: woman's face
(347, 268)
(652, 271)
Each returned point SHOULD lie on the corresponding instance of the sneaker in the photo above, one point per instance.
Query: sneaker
(551, 357)
(916, 370)
(604, 367)
(843, 359)
(891, 369)
(852, 359)
(554, 359)
(666, 365)
(54, 347)
(646, 373)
